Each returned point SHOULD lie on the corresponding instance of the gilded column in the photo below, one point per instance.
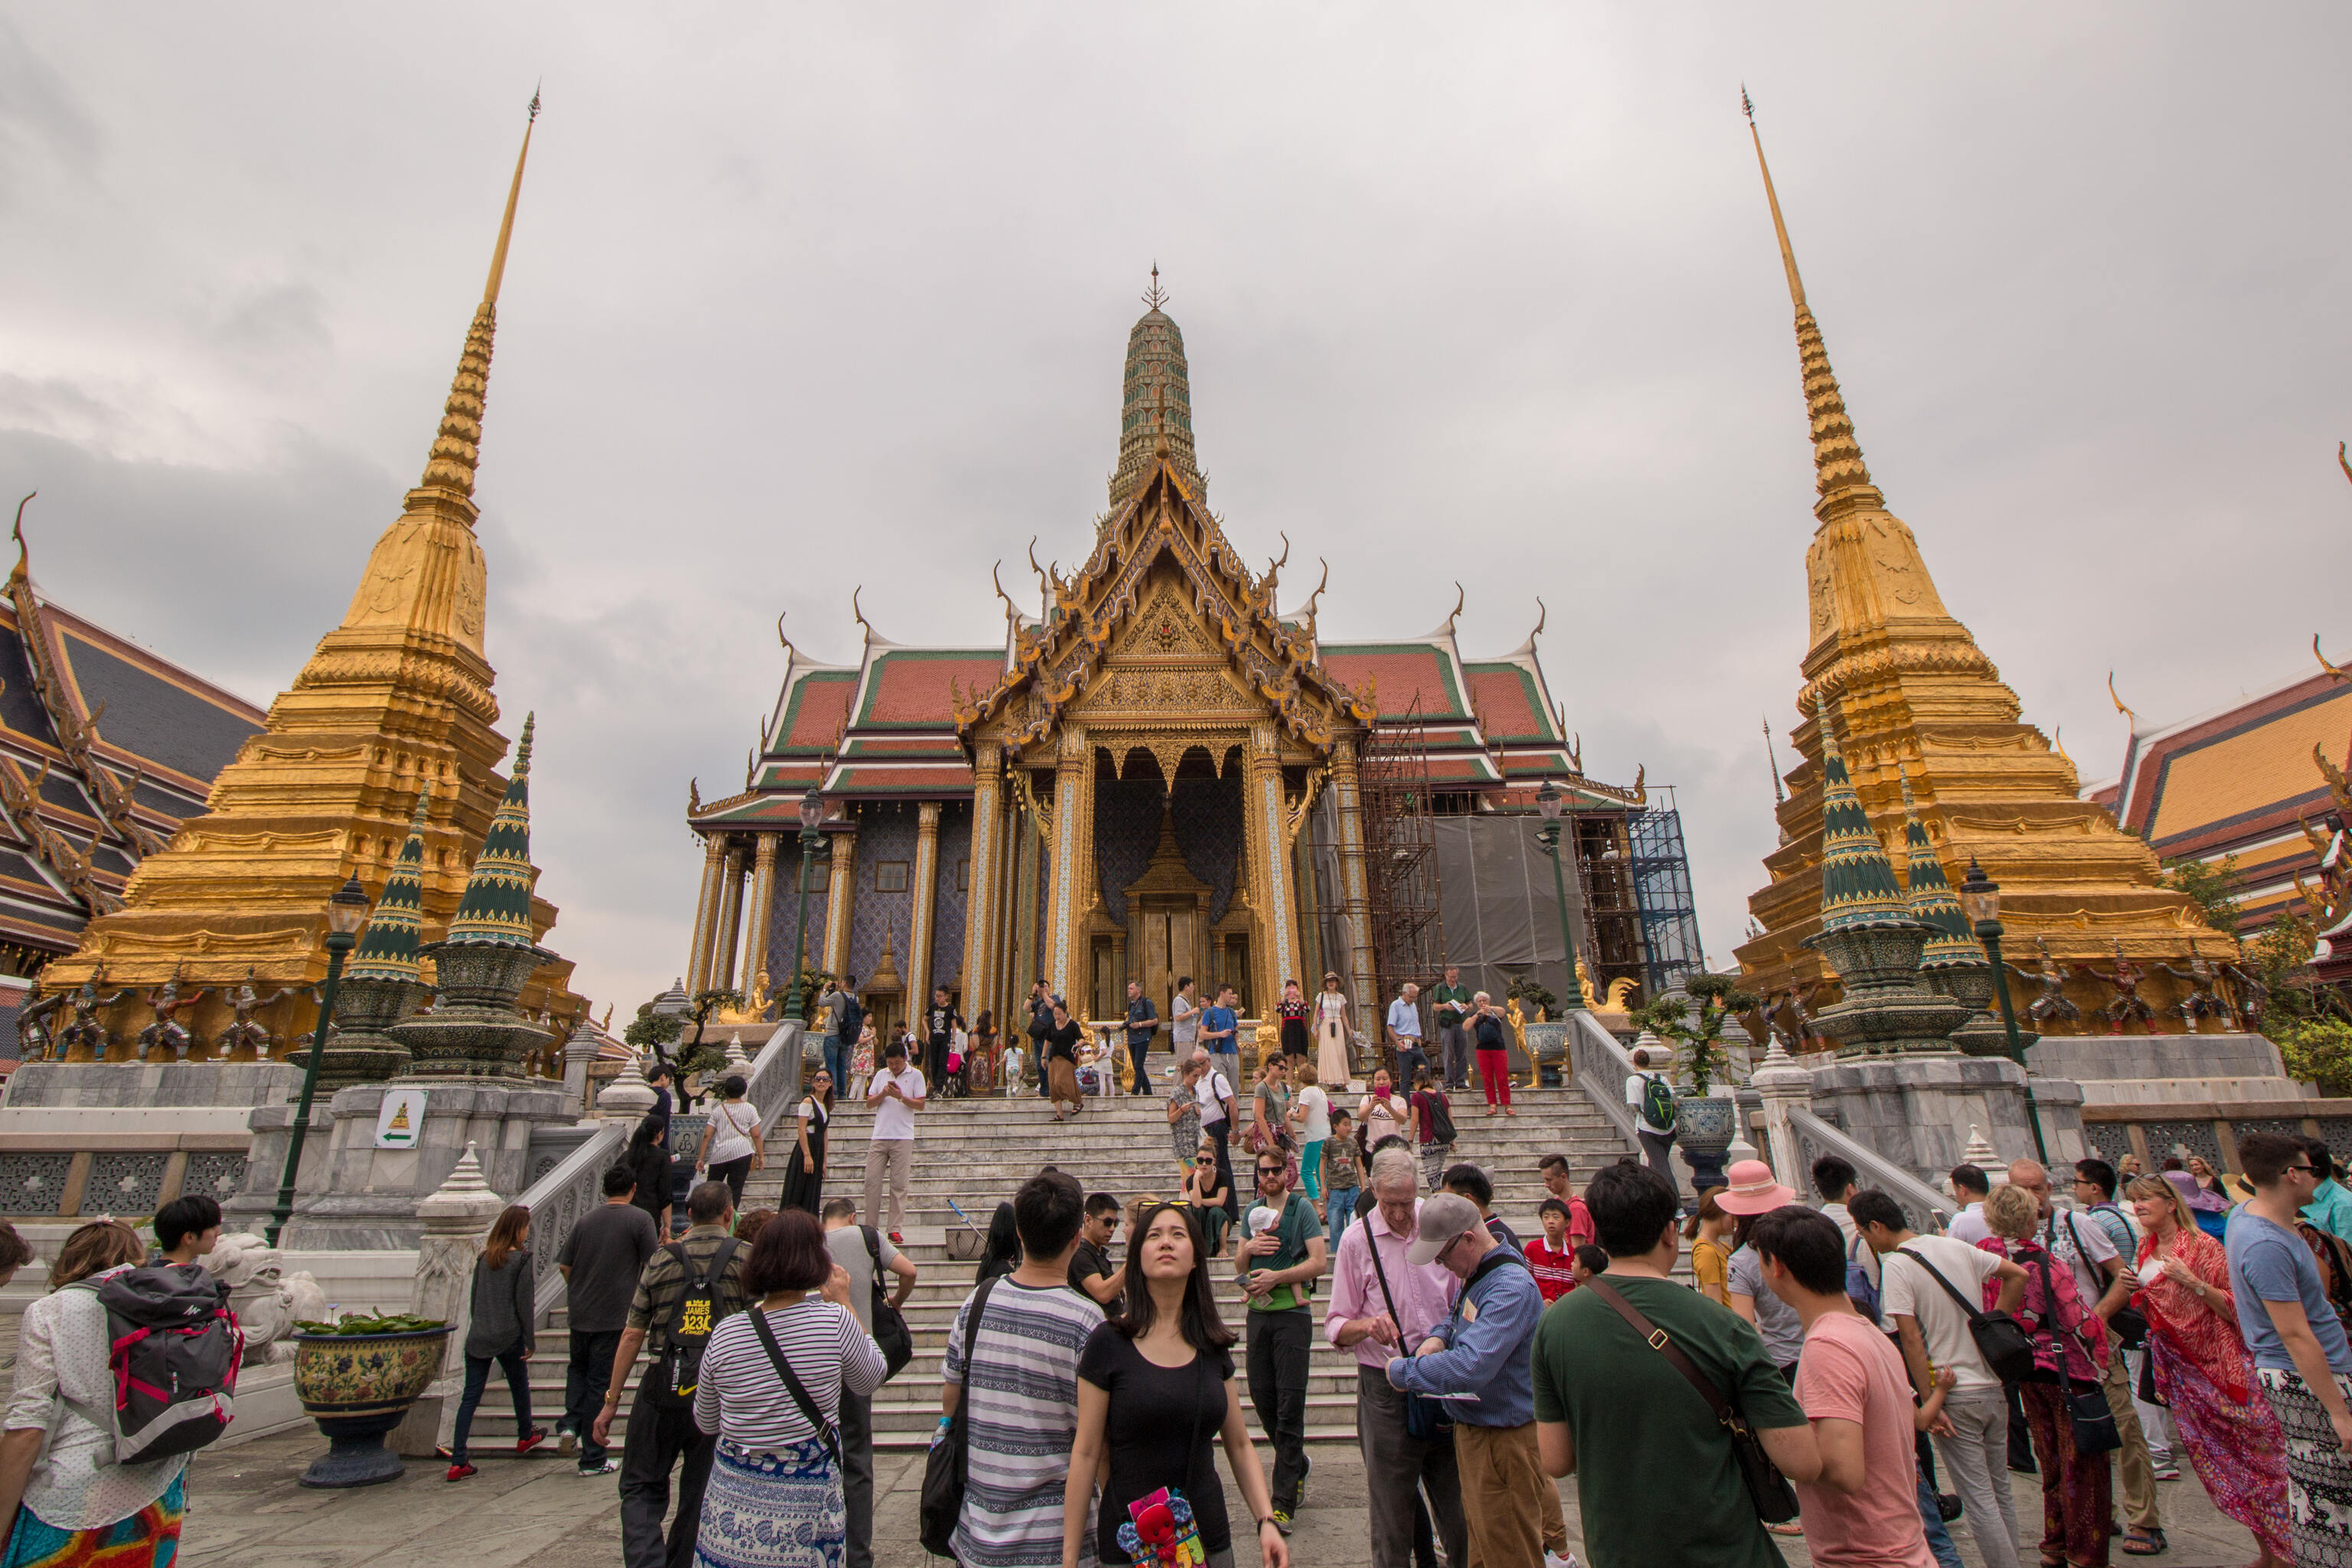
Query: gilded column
(1021, 935)
(1271, 888)
(1064, 899)
(730, 918)
(706, 911)
(980, 903)
(1355, 893)
(763, 908)
(841, 884)
(923, 920)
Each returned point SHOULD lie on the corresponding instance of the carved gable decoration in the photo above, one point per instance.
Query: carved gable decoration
(1164, 627)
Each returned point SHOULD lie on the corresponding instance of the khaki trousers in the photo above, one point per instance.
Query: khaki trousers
(1500, 1477)
(896, 1156)
(2136, 1470)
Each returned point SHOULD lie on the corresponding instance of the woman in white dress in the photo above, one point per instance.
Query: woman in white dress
(1331, 1064)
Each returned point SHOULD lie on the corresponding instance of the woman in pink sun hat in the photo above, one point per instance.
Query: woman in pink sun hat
(1750, 1191)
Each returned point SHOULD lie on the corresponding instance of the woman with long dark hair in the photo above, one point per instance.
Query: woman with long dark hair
(1155, 1392)
(1292, 1011)
(505, 1306)
(805, 1167)
(731, 1148)
(1004, 1253)
(647, 1157)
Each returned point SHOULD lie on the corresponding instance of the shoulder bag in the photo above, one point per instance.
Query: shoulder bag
(1768, 1488)
(2086, 1403)
(2129, 1324)
(944, 1467)
(890, 1331)
(2007, 1348)
(825, 1429)
(1426, 1420)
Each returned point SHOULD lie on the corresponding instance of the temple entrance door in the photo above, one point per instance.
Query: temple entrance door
(1171, 946)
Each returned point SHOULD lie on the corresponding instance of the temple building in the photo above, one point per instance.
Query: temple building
(394, 703)
(1912, 698)
(1160, 772)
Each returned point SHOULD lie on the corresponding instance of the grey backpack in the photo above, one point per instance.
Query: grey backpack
(175, 1347)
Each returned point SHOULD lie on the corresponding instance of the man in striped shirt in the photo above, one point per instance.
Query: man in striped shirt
(1020, 1366)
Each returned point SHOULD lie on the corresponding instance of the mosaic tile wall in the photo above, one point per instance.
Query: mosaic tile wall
(884, 833)
(952, 910)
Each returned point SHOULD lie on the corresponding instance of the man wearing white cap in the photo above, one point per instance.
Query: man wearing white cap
(1482, 1351)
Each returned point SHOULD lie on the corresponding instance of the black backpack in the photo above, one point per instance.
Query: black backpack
(676, 1375)
(852, 1022)
(890, 1331)
(946, 1465)
(1657, 1102)
(175, 1347)
(1441, 1121)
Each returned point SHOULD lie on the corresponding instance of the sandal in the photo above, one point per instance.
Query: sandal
(2145, 1544)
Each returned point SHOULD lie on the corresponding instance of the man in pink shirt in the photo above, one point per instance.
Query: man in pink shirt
(1382, 1306)
(1864, 1510)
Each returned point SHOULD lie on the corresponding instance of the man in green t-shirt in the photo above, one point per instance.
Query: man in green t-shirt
(1286, 1252)
(1449, 1001)
(1654, 1470)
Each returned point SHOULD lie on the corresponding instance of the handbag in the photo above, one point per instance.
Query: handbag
(1768, 1488)
(2001, 1340)
(944, 1467)
(825, 1430)
(1426, 1420)
(890, 1331)
(2086, 1406)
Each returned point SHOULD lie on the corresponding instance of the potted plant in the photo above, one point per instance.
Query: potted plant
(356, 1378)
(1543, 1034)
(1704, 1123)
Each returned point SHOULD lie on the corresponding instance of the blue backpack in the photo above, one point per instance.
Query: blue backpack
(1859, 1287)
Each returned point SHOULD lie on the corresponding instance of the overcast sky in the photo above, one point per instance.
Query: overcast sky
(830, 295)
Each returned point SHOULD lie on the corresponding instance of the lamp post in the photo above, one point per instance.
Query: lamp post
(1981, 899)
(812, 844)
(347, 911)
(1548, 801)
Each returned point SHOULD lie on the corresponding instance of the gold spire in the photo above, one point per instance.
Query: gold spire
(456, 446)
(1839, 472)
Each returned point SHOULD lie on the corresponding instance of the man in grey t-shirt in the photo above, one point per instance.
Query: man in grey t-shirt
(601, 1260)
(846, 1240)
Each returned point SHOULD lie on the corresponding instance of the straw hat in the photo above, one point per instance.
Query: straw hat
(1752, 1190)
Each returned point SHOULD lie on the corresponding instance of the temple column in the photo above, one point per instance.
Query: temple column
(706, 911)
(1021, 958)
(1355, 891)
(763, 905)
(980, 904)
(840, 883)
(922, 919)
(730, 918)
(1271, 889)
(1065, 898)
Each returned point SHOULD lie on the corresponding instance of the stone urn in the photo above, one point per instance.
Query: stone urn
(357, 1387)
(1703, 1128)
(1548, 1048)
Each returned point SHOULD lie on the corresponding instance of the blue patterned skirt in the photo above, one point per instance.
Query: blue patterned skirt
(773, 1510)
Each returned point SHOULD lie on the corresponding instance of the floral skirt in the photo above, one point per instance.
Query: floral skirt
(2238, 1450)
(773, 1510)
(148, 1539)
(2319, 1474)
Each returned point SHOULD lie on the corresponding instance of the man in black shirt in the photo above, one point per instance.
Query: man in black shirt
(1092, 1273)
(1040, 1019)
(1142, 1022)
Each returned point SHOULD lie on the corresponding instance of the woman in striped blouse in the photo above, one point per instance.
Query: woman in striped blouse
(774, 1499)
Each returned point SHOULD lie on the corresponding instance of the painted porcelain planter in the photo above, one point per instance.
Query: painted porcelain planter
(357, 1387)
(1548, 1044)
(1703, 1128)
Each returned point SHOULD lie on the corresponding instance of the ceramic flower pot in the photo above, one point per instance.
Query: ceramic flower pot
(1548, 1044)
(357, 1387)
(1703, 1127)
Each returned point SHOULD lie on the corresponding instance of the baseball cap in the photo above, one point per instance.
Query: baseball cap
(1444, 1218)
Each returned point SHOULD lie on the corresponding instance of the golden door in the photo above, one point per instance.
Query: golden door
(1172, 948)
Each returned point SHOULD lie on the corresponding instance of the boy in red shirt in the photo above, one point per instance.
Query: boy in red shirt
(1552, 1259)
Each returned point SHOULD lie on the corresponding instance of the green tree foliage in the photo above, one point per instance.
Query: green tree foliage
(1698, 1042)
(2319, 1050)
(2208, 886)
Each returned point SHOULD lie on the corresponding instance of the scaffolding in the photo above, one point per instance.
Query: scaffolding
(1400, 855)
(1661, 890)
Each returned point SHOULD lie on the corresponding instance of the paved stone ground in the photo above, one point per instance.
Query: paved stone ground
(245, 1508)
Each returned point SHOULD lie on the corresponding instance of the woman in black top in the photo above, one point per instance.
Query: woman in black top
(648, 1160)
(1060, 1061)
(1154, 1390)
(1003, 1254)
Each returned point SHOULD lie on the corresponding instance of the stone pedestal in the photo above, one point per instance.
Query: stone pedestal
(352, 1194)
(2139, 1069)
(1919, 1110)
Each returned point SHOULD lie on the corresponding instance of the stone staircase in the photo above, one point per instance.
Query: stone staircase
(975, 1153)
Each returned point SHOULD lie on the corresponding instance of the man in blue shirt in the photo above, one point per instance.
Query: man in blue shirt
(1219, 1035)
(2330, 1207)
(1484, 1348)
(1142, 1022)
(1405, 1037)
(2300, 1353)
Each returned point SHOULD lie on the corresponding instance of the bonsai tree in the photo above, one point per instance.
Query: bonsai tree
(653, 1032)
(1698, 1042)
(1533, 996)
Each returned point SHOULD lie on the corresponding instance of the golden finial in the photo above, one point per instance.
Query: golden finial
(1779, 797)
(506, 224)
(1155, 296)
(781, 640)
(2119, 701)
(1788, 253)
(456, 446)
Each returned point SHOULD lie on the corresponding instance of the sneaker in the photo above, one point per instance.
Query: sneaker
(458, 1471)
(898, 1240)
(531, 1440)
(567, 1441)
(2167, 1472)
(1281, 1519)
(608, 1465)
(1554, 1560)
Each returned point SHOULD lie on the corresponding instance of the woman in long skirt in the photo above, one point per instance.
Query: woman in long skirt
(2202, 1370)
(1332, 1068)
(1292, 1011)
(805, 1167)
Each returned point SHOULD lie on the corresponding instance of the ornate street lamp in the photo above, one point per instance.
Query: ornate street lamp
(812, 846)
(1980, 900)
(347, 911)
(1548, 801)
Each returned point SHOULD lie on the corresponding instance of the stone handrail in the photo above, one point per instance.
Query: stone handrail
(1928, 1210)
(557, 1199)
(1600, 1068)
(775, 1075)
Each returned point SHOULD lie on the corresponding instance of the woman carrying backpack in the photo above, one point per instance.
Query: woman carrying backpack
(1434, 1115)
(505, 1304)
(80, 1506)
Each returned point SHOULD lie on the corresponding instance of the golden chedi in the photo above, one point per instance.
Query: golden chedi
(1912, 694)
(395, 704)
